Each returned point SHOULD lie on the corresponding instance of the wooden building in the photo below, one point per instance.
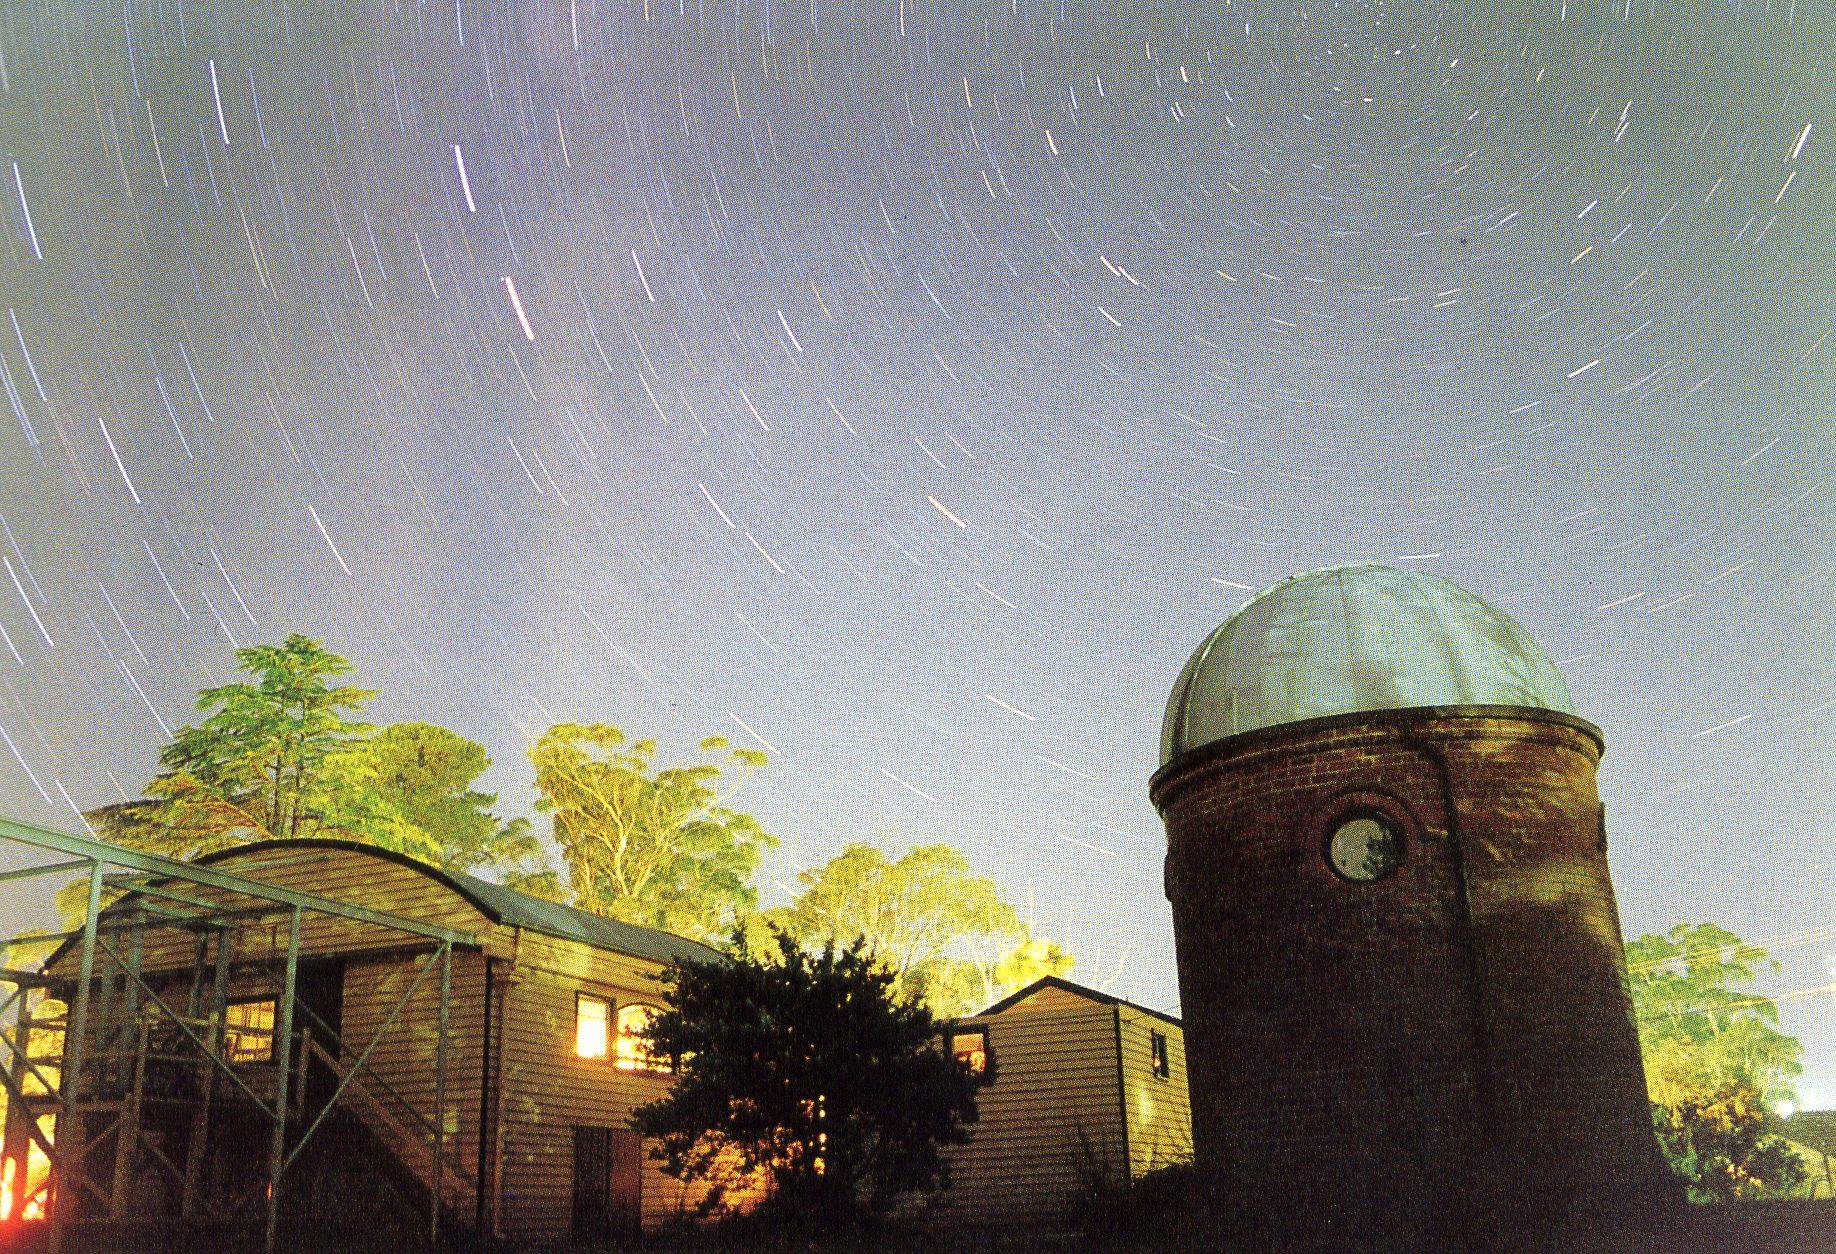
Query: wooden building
(1084, 1090)
(499, 1072)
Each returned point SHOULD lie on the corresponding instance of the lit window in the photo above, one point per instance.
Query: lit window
(592, 1018)
(1163, 1066)
(634, 1052)
(248, 1031)
(971, 1049)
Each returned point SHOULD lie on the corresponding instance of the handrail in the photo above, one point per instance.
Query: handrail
(359, 1084)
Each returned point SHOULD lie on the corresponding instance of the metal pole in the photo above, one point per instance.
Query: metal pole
(68, 1137)
(439, 1145)
(283, 1050)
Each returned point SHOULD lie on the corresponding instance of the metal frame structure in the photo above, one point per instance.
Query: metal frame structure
(126, 1058)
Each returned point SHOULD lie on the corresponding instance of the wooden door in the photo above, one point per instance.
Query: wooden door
(607, 1183)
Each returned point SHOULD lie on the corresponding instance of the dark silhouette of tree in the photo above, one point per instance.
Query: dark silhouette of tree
(807, 1069)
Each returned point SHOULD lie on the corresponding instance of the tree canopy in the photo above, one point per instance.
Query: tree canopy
(271, 759)
(648, 846)
(1697, 1012)
(944, 933)
(808, 1067)
(426, 773)
(281, 756)
(1714, 1061)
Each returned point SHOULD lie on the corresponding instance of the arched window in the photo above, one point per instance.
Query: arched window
(633, 1051)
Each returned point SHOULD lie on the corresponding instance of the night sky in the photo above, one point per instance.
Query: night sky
(906, 388)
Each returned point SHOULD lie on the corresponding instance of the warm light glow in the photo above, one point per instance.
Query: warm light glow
(633, 1045)
(971, 1049)
(248, 1031)
(592, 1021)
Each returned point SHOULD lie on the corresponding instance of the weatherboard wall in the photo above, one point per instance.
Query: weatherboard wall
(1159, 1112)
(512, 1006)
(1051, 1120)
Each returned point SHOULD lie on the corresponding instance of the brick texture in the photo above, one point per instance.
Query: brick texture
(1444, 1049)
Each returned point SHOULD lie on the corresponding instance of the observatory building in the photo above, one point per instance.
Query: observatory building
(1400, 964)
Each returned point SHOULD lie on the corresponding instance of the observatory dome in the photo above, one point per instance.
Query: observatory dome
(1352, 638)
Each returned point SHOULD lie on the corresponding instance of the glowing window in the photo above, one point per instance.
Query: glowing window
(634, 1052)
(592, 1019)
(1364, 849)
(1163, 1065)
(248, 1031)
(970, 1048)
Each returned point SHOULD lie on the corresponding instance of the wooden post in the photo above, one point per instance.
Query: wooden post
(283, 1050)
(127, 1129)
(16, 1156)
(199, 1140)
(439, 1145)
(69, 1138)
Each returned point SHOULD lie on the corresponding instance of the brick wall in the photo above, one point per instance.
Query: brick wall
(1433, 1048)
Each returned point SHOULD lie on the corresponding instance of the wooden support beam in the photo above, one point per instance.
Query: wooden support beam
(283, 1056)
(193, 873)
(439, 1147)
(48, 868)
(70, 1078)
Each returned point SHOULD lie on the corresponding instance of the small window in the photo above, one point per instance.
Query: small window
(248, 1031)
(970, 1047)
(634, 1053)
(1163, 1065)
(592, 1023)
(1364, 849)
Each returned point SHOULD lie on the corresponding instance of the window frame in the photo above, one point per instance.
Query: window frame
(581, 997)
(234, 1032)
(649, 1063)
(985, 1073)
(1160, 1055)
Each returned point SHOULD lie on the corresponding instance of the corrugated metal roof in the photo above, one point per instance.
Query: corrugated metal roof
(551, 918)
(1349, 639)
(510, 908)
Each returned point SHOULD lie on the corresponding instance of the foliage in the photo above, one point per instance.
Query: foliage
(426, 772)
(807, 1067)
(270, 759)
(945, 935)
(1716, 1139)
(657, 848)
(1690, 990)
(1714, 1062)
(1131, 1211)
(282, 758)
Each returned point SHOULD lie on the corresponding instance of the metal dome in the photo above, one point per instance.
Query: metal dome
(1351, 638)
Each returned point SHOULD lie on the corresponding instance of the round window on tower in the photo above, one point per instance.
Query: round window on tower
(1364, 848)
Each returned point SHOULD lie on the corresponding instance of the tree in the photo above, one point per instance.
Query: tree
(426, 772)
(1717, 1139)
(282, 757)
(944, 934)
(1691, 990)
(1714, 1062)
(273, 759)
(809, 1068)
(656, 848)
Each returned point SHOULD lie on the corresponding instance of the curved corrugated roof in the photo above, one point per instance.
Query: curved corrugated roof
(510, 908)
(1354, 638)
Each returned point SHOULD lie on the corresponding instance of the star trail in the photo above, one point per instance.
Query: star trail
(905, 387)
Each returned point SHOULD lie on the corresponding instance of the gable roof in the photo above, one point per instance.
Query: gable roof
(510, 908)
(1080, 990)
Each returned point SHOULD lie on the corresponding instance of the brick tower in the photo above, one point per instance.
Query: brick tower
(1400, 964)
